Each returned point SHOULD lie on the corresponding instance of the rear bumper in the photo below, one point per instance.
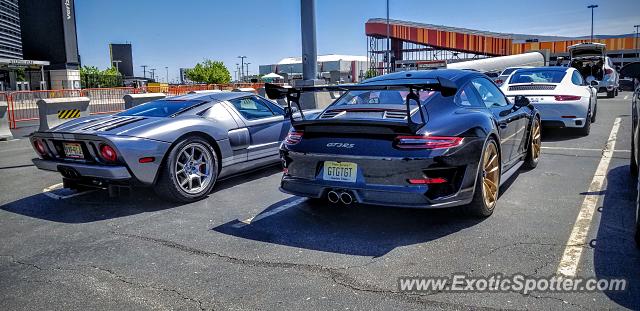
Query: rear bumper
(113, 173)
(393, 196)
(561, 115)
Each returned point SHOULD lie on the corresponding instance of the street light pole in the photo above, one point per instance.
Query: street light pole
(247, 64)
(242, 66)
(144, 71)
(593, 6)
(153, 74)
(636, 42)
(388, 52)
(166, 68)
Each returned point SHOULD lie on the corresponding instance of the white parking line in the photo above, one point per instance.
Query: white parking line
(47, 191)
(272, 212)
(582, 149)
(573, 250)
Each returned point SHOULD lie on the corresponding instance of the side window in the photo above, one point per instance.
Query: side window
(467, 98)
(576, 78)
(251, 108)
(490, 94)
(277, 110)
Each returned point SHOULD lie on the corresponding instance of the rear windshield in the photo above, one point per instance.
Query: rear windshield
(160, 108)
(537, 76)
(386, 98)
(508, 71)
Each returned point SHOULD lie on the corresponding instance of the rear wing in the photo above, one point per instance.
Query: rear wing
(292, 94)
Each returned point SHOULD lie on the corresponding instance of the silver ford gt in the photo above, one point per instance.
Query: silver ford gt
(179, 145)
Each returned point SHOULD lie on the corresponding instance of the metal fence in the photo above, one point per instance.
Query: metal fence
(22, 105)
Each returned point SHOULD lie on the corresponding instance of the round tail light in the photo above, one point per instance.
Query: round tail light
(40, 147)
(108, 153)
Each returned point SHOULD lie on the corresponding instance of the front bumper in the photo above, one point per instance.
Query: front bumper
(109, 173)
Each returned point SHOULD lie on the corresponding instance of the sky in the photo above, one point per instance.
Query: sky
(175, 34)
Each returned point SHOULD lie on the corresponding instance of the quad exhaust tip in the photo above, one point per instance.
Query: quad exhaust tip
(346, 198)
(333, 197)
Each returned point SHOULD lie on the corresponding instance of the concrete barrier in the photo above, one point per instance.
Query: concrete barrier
(55, 111)
(132, 100)
(5, 130)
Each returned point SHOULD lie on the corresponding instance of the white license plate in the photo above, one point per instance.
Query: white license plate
(534, 99)
(73, 150)
(340, 171)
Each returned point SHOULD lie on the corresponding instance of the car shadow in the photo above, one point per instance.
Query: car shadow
(97, 205)
(551, 134)
(362, 230)
(615, 252)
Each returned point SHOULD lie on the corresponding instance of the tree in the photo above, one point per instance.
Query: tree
(370, 73)
(210, 72)
(91, 76)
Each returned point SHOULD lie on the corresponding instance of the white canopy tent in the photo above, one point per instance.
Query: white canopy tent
(272, 76)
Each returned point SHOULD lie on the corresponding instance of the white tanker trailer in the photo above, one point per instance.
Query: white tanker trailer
(498, 64)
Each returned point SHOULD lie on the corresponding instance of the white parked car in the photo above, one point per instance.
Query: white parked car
(562, 96)
(505, 74)
(593, 64)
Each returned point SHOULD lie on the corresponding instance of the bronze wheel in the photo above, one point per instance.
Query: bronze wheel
(490, 176)
(536, 141)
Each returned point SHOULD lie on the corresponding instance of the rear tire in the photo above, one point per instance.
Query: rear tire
(616, 92)
(535, 146)
(595, 112)
(633, 165)
(487, 187)
(189, 171)
(586, 129)
(611, 94)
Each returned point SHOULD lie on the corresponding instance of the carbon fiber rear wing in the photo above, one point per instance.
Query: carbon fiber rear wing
(292, 94)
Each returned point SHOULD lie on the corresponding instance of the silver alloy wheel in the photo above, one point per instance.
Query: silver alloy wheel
(193, 168)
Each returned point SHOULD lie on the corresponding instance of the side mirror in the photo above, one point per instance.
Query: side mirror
(521, 101)
(593, 83)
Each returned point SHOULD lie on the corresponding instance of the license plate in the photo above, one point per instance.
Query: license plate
(73, 150)
(340, 171)
(534, 99)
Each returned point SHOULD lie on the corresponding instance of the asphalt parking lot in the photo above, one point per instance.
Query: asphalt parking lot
(248, 246)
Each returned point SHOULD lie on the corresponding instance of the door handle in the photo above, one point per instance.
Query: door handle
(503, 125)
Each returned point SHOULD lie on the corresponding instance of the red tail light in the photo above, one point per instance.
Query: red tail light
(427, 181)
(293, 137)
(427, 142)
(608, 71)
(40, 147)
(564, 98)
(108, 153)
(499, 81)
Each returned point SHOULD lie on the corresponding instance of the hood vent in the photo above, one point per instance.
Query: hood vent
(331, 114)
(111, 123)
(532, 87)
(399, 115)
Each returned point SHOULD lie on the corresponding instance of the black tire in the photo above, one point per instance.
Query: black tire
(633, 165)
(638, 217)
(586, 129)
(611, 94)
(616, 92)
(168, 187)
(533, 156)
(478, 206)
(595, 112)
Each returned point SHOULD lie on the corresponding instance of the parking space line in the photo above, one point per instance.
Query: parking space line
(573, 250)
(582, 149)
(47, 191)
(272, 212)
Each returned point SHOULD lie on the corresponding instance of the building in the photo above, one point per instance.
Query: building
(333, 68)
(38, 45)
(183, 76)
(122, 58)
(413, 44)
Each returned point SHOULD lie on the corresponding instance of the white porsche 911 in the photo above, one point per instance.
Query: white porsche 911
(562, 96)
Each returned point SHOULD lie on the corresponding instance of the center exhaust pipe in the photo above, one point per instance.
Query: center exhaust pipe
(333, 197)
(346, 198)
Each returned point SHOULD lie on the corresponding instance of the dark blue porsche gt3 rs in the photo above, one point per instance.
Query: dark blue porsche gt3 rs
(420, 139)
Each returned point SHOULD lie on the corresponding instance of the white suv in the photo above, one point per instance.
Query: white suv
(593, 65)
